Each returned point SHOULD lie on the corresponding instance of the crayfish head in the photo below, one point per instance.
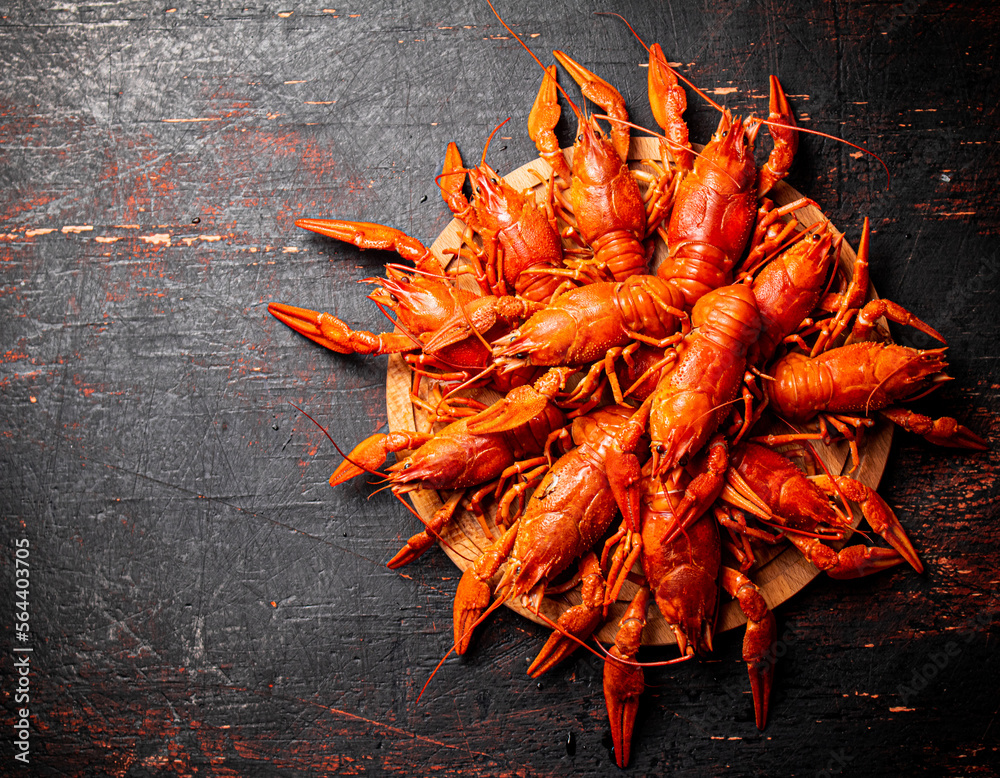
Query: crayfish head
(440, 463)
(595, 160)
(497, 203)
(809, 262)
(727, 161)
(422, 303)
(543, 340)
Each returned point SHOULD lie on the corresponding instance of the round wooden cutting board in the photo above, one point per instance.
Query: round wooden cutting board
(780, 572)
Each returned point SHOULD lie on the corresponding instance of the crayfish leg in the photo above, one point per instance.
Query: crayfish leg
(944, 431)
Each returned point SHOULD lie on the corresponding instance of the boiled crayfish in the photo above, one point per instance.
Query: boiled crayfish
(635, 390)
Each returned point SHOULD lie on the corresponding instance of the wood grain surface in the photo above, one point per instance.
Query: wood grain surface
(203, 603)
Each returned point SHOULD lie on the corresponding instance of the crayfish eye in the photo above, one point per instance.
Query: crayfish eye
(815, 238)
(494, 181)
(407, 465)
(478, 190)
(579, 138)
(394, 298)
(661, 449)
(522, 355)
(725, 133)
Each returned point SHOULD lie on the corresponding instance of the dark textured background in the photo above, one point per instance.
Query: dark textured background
(203, 603)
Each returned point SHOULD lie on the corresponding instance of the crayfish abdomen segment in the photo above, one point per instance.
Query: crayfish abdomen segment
(622, 253)
(693, 397)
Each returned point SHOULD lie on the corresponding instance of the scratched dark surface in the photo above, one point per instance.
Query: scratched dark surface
(203, 603)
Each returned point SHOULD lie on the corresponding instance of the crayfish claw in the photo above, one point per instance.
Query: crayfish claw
(367, 235)
(759, 640)
(518, 407)
(332, 333)
(413, 549)
(668, 102)
(760, 666)
(859, 561)
(597, 90)
(577, 622)
(876, 512)
(472, 597)
(624, 683)
(471, 601)
(944, 431)
(521, 404)
(783, 134)
(542, 122)
(422, 541)
(329, 331)
(370, 454)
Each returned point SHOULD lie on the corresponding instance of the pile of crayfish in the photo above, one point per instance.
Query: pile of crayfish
(678, 397)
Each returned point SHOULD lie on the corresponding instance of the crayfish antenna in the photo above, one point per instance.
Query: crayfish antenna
(360, 467)
(454, 649)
